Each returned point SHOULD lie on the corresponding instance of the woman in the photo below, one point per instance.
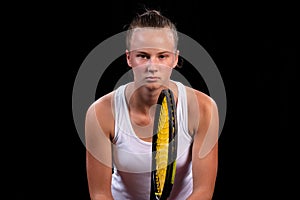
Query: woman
(119, 125)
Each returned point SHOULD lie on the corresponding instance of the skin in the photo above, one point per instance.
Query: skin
(152, 57)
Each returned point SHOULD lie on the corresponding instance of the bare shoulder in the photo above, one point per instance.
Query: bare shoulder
(103, 110)
(203, 120)
(201, 109)
(204, 101)
(104, 104)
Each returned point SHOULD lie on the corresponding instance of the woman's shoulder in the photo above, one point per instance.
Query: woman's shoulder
(198, 100)
(104, 103)
(101, 113)
(101, 106)
(199, 96)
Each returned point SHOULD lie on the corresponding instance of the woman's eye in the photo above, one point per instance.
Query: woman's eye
(163, 56)
(142, 56)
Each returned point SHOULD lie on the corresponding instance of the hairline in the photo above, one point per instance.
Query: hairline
(130, 32)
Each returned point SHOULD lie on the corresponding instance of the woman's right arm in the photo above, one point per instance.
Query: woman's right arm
(99, 125)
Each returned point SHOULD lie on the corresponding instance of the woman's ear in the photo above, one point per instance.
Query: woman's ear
(128, 58)
(176, 58)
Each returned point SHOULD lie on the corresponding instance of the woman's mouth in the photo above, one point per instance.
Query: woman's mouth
(152, 78)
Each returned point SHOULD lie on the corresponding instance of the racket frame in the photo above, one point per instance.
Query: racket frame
(172, 146)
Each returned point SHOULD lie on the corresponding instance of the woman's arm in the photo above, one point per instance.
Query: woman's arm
(99, 178)
(205, 149)
(98, 133)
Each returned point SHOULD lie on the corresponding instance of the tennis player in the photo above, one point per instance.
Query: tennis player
(119, 125)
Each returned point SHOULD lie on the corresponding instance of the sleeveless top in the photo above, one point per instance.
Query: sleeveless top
(132, 156)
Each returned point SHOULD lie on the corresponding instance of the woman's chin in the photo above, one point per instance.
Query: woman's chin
(153, 86)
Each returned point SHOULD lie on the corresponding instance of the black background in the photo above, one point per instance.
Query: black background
(253, 46)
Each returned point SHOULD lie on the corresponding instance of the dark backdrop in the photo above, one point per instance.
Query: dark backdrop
(253, 46)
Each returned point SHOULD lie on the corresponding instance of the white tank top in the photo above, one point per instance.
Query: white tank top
(132, 156)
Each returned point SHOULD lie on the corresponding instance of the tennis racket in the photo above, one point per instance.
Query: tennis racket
(164, 146)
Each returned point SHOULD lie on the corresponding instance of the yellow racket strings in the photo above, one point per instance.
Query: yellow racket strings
(162, 147)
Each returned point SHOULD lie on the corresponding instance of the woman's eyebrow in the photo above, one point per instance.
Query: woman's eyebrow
(143, 52)
(163, 52)
(158, 53)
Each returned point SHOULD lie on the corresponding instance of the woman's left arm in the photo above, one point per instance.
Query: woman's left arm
(205, 149)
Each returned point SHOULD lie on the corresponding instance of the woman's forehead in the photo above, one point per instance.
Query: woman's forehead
(153, 51)
(152, 38)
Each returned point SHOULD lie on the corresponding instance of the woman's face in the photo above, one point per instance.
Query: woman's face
(152, 56)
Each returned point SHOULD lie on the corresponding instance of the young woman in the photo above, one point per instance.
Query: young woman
(119, 125)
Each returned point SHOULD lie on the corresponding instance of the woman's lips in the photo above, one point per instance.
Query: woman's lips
(152, 78)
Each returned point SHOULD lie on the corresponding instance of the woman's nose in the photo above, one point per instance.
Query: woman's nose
(152, 67)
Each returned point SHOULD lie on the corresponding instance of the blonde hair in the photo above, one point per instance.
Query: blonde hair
(152, 19)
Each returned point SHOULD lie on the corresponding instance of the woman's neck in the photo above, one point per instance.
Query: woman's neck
(141, 99)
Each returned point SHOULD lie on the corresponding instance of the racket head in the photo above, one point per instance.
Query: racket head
(164, 146)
